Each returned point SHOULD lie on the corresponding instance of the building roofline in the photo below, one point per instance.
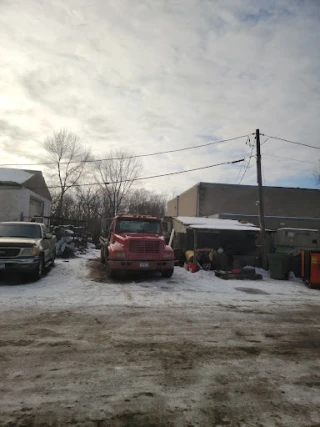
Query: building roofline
(32, 171)
(242, 186)
(10, 184)
(299, 218)
(188, 189)
(255, 185)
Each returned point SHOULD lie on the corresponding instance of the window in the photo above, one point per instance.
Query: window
(29, 231)
(138, 226)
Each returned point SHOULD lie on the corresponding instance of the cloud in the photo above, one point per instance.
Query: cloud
(156, 76)
(12, 131)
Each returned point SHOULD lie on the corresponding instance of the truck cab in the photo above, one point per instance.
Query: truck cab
(137, 243)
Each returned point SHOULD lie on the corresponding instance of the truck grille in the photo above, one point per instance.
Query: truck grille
(144, 246)
(9, 252)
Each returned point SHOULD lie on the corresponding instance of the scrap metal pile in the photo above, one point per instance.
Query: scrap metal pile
(69, 240)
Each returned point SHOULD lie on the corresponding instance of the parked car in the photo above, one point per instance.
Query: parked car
(27, 247)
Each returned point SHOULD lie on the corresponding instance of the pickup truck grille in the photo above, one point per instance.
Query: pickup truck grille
(9, 252)
(144, 246)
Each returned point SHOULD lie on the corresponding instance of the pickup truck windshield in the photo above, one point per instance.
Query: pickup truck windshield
(138, 226)
(30, 231)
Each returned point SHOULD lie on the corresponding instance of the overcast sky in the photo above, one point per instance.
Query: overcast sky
(155, 75)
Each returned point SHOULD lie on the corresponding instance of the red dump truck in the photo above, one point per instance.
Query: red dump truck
(136, 243)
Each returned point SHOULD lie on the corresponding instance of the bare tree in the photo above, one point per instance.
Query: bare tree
(145, 202)
(117, 177)
(88, 202)
(69, 158)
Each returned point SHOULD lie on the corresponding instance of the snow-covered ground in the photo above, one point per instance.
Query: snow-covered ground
(79, 350)
(69, 284)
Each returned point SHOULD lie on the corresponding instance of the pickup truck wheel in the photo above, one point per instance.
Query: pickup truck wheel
(167, 273)
(39, 271)
(53, 259)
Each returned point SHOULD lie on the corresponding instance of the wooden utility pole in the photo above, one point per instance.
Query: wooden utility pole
(261, 204)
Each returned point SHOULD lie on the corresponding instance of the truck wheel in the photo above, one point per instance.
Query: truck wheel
(39, 271)
(109, 271)
(167, 273)
(102, 257)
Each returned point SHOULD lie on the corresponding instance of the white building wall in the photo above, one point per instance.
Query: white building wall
(11, 206)
(15, 204)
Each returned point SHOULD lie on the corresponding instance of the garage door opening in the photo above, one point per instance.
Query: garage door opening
(35, 208)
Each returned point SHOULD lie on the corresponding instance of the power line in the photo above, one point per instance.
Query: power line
(129, 157)
(243, 164)
(289, 158)
(292, 142)
(263, 174)
(240, 171)
(264, 142)
(248, 164)
(144, 177)
(246, 169)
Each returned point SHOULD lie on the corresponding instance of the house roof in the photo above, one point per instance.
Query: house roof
(215, 224)
(15, 176)
(31, 179)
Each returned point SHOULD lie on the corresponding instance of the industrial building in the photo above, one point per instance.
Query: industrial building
(284, 207)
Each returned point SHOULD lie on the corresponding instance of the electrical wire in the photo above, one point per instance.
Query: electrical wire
(247, 166)
(264, 142)
(292, 142)
(289, 158)
(263, 175)
(245, 171)
(240, 171)
(242, 165)
(129, 157)
(142, 178)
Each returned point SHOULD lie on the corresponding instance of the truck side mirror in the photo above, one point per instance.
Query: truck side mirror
(48, 236)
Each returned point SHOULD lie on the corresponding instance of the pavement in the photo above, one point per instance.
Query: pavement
(78, 349)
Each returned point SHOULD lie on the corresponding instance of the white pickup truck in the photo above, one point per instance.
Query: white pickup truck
(27, 247)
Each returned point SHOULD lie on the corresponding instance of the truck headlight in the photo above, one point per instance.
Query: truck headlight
(29, 251)
(120, 255)
(168, 255)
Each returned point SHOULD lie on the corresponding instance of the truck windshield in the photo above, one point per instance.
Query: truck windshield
(138, 226)
(30, 231)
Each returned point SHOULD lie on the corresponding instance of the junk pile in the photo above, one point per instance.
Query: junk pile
(210, 259)
(206, 259)
(246, 273)
(69, 240)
